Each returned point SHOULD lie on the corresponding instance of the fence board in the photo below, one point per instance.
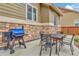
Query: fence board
(70, 30)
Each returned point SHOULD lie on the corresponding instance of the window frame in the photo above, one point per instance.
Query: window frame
(76, 24)
(55, 20)
(29, 20)
(29, 12)
(51, 19)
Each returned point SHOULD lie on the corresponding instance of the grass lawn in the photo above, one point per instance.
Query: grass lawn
(76, 42)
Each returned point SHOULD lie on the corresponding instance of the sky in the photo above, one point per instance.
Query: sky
(72, 6)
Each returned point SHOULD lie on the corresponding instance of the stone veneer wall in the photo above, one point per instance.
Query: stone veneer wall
(31, 30)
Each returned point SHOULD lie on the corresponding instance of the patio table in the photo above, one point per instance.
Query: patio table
(57, 37)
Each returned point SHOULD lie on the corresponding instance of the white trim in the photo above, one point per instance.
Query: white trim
(31, 21)
(11, 20)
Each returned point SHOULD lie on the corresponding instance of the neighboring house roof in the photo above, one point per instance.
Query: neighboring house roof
(53, 7)
(65, 10)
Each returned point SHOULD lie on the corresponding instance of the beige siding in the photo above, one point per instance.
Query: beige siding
(44, 10)
(17, 10)
(14, 10)
(68, 19)
(52, 14)
(36, 4)
(47, 14)
(38, 7)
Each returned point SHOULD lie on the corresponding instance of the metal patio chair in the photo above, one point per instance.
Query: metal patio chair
(45, 43)
(68, 40)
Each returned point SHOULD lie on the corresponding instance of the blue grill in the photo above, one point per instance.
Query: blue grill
(12, 35)
(17, 32)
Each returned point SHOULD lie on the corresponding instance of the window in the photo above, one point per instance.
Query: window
(76, 23)
(31, 13)
(55, 20)
(34, 14)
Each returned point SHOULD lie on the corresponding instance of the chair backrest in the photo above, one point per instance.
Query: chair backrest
(72, 38)
(44, 37)
(69, 38)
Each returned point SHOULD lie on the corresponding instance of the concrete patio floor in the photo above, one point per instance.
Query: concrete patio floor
(33, 49)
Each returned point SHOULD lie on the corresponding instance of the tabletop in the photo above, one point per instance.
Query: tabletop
(57, 36)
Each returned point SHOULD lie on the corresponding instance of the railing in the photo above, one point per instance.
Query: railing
(70, 30)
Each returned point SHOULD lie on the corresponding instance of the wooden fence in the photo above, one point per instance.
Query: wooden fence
(70, 30)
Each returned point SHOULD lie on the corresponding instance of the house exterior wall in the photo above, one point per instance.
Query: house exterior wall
(37, 6)
(13, 10)
(47, 15)
(69, 19)
(52, 13)
(68, 22)
(44, 13)
(32, 29)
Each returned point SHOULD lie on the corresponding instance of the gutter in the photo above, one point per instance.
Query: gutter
(53, 6)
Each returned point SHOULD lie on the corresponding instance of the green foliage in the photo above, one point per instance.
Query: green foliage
(76, 40)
